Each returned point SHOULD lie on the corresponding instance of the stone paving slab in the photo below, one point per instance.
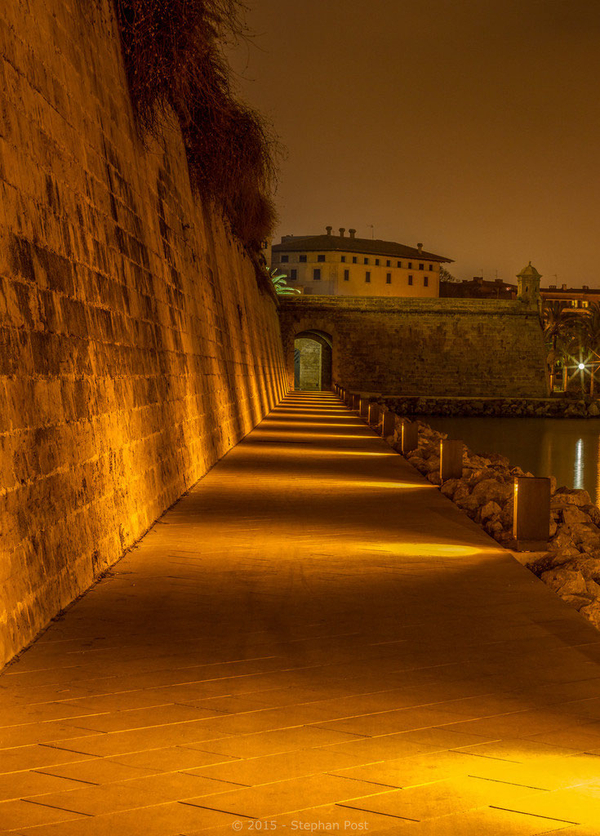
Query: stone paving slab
(313, 637)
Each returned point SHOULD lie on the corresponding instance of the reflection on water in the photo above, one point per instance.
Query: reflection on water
(568, 449)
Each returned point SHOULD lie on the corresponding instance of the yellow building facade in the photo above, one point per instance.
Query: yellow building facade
(344, 265)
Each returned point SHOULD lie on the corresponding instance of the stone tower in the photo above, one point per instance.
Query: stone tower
(528, 288)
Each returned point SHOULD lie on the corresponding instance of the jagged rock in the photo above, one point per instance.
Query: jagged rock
(492, 526)
(498, 460)
(490, 509)
(490, 490)
(577, 601)
(591, 610)
(593, 410)
(586, 537)
(432, 464)
(592, 588)
(434, 477)
(566, 496)
(507, 516)
(572, 515)
(467, 503)
(593, 513)
(588, 565)
(565, 581)
(461, 492)
(449, 487)
(561, 540)
(482, 475)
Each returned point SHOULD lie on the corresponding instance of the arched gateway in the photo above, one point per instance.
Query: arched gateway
(312, 360)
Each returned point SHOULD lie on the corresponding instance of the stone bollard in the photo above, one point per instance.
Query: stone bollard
(373, 414)
(336, 388)
(349, 399)
(355, 401)
(388, 423)
(531, 520)
(363, 408)
(409, 439)
(451, 459)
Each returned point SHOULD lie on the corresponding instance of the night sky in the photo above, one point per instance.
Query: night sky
(472, 126)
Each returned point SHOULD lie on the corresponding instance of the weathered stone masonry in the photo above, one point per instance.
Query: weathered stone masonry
(428, 347)
(135, 346)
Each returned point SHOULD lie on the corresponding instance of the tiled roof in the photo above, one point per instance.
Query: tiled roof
(366, 246)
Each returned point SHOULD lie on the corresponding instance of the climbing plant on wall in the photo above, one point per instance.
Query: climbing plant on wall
(175, 66)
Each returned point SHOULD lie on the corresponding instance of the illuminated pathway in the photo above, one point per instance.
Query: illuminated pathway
(313, 636)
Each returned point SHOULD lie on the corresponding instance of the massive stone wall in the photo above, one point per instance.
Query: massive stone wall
(436, 347)
(135, 345)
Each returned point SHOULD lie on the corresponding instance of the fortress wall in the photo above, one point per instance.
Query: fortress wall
(427, 347)
(135, 345)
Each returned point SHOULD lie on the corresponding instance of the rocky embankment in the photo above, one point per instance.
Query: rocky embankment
(570, 566)
(498, 407)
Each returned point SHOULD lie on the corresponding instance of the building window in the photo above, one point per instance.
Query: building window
(285, 258)
(293, 273)
(346, 275)
(302, 259)
(388, 263)
(366, 261)
(376, 262)
(316, 275)
(425, 281)
(320, 258)
(399, 264)
(343, 258)
(431, 267)
(410, 265)
(367, 277)
(354, 259)
(421, 266)
(410, 279)
(388, 278)
(584, 304)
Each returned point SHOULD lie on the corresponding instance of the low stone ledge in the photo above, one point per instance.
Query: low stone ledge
(494, 407)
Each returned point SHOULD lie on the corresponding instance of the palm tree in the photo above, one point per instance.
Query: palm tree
(590, 340)
(279, 283)
(561, 332)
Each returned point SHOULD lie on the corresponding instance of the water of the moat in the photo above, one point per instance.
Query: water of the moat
(566, 448)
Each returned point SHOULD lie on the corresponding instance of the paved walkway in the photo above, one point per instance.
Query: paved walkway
(316, 637)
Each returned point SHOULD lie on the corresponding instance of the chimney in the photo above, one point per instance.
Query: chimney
(351, 233)
(420, 248)
(328, 228)
(563, 287)
(342, 230)
(585, 287)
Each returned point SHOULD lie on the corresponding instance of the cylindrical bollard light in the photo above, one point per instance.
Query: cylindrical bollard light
(531, 518)
(349, 398)
(410, 437)
(355, 403)
(451, 459)
(388, 423)
(363, 408)
(373, 414)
